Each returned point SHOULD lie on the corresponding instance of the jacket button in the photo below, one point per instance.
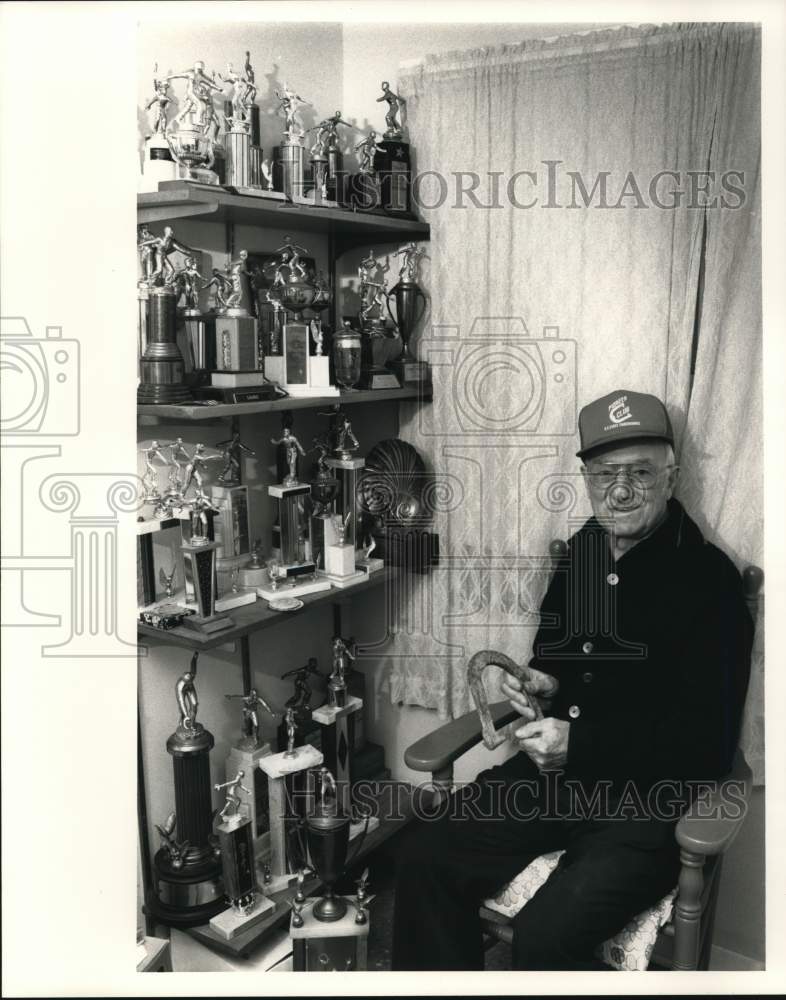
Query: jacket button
(587, 677)
(587, 647)
(574, 711)
(612, 579)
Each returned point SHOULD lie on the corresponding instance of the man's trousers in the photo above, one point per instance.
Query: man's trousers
(612, 870)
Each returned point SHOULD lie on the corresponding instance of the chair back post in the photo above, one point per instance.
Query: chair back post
(752, 581)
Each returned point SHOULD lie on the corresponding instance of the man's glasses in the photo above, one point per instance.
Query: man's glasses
(640, 475)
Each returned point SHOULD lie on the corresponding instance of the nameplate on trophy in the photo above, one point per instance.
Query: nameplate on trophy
(236, 343)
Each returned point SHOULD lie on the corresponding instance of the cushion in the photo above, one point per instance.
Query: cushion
(629, 950)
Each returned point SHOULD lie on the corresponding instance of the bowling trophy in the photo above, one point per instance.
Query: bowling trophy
(347, 467)
(244, 755)
(161, 365)
(379, 348)
(188, 886)
(324, 490)
(289, 789)
(198, 328)
(406, 294)
(199, 558)
(392, 160)
(292, 574)
(158, 163)
(230, 525)
(247, 905)
(327, 167)
(193, 133)
(288, 162)
(293, 290)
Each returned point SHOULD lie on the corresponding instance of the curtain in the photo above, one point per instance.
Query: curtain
(581, 257)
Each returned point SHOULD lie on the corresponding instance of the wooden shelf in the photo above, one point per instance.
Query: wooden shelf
(254, 617)
(223, 411)
(216, 204)
(242, 945)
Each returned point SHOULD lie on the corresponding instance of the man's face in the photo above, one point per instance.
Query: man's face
(633, 502)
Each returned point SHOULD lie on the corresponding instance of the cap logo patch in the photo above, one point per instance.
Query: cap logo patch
(620, 413)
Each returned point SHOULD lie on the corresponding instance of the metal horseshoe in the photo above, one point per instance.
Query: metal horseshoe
(485, 658)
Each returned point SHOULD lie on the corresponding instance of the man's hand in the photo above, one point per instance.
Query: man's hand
(538, 685)
(545, 742)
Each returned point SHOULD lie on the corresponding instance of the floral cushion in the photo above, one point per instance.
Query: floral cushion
(629, 950)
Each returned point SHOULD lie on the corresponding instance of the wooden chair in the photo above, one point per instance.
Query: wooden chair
(685, 942)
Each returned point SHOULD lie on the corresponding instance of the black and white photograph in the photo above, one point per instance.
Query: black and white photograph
(392, 435)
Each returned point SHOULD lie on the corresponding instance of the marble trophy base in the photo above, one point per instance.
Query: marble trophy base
(342, 582)
(370, 565)
(326, 715)
(236, 343)
(247, 758)
(277, 883)
(228, 601)
(158, 164)
(359, 826)
(231, 922)
(310, 942)
(298, 372)
(340, 566)
(293, 589)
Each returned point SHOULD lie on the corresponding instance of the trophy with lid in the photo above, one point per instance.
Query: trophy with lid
(188, 885)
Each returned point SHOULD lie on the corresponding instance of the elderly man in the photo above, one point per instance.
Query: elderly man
(640, 667)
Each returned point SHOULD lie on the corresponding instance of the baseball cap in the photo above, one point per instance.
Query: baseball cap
(621, 416)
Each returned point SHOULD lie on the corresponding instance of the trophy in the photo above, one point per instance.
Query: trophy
(324, 490)
(238, 137)
(188, 886)
(236, 326)
(288, 161)
(246, 904)
(161, 365)
(158, 163)
(244, 755)
(392, 158)
(378, 347)
(199, 557)
(194, 143)
(347, 348)
(365, 187)
(300, 704)
(294, 290)
(347, 466)
(198, 327)
(288, 789)
(289, 531)
(231, 529)
(407, 293)
(327, 161)
(343, 944)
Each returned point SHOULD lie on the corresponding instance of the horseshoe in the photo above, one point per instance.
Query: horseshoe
(485, 658)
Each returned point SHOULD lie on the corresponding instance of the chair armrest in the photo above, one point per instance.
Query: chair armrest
(711, 824)
(437, 751)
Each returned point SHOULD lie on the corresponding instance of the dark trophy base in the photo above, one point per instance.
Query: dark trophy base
(363, 193)
(237, 862)
(412, 372)
(395, 172)
(215, 623)
(150, 392)
(186, 897)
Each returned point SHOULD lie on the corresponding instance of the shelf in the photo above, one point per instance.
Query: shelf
(185, 411)
(254, 617)
(215, 204)
(242, 945)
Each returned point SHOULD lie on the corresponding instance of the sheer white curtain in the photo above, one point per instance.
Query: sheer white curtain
(540, 305)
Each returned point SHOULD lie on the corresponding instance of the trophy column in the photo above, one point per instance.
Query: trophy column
(347, 470)
(161, 368)
(189, 889)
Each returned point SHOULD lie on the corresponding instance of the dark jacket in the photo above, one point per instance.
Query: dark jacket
(652, 654)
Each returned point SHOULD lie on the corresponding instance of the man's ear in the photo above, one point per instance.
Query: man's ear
(674, 474)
